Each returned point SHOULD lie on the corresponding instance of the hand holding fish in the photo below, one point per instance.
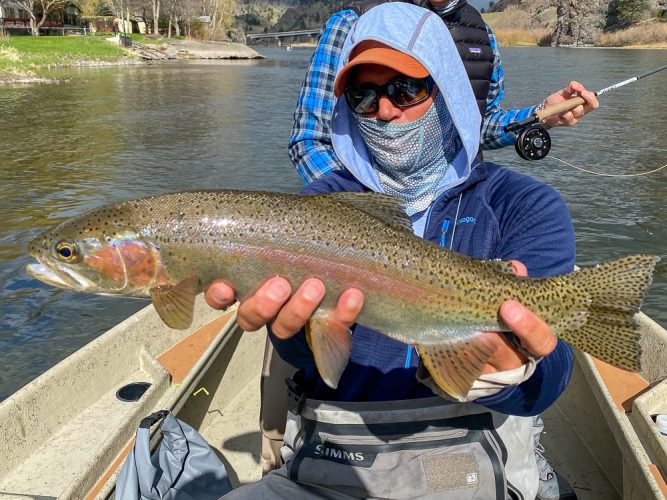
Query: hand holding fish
(570, 118)
(531, 331)
(272, 300)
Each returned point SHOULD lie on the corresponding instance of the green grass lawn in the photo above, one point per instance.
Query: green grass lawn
(29, 54)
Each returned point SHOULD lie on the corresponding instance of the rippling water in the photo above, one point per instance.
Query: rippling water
(114, 133)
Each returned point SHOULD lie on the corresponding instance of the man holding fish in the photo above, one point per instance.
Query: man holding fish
(405, 123)
(310, 143)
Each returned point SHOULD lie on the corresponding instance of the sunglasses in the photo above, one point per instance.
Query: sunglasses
(403, 92)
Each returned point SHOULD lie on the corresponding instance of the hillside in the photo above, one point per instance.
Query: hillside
(583, 22)
(283, 15)
(543, 22)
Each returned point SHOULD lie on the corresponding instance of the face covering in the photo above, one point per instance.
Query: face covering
(411, 158)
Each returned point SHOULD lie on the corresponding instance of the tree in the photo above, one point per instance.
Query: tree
(175, 17)
(38, 10)
(631, 11)
(222, 16)
(156, 16)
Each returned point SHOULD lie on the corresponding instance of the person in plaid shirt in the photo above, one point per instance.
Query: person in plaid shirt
(310, 144)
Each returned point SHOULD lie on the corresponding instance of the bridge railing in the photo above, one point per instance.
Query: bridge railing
(282, 34)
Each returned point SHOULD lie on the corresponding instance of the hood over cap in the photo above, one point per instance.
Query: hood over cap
(420, 34)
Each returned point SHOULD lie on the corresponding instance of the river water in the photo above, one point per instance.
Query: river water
(114, 133)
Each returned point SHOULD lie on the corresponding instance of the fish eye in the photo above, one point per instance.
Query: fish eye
(67, 251)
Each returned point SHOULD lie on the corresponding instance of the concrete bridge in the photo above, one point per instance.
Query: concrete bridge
(283, 34)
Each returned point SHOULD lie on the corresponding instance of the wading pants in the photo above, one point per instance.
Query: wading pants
(423, 448)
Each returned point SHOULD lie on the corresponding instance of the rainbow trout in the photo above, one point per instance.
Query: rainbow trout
(169, 247)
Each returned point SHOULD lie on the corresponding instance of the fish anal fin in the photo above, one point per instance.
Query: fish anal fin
(331, 342)
(455, 366)
(176, 303)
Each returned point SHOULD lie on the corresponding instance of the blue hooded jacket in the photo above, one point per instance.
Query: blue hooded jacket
(481, 210)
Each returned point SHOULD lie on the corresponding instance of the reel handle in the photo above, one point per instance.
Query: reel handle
(560, 108)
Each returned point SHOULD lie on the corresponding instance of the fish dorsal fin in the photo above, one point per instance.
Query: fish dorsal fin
(176, 303)
(331, 342)
(455, 366)
(388, 209)
(504, 266)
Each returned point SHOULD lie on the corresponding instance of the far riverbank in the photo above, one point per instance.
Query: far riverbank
(25, 59)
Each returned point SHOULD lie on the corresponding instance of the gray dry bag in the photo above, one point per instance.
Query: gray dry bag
(183, 467)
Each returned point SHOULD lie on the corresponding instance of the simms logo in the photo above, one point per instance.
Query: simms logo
(339, 454)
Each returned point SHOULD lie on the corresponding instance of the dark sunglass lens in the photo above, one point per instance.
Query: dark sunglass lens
(362, 100)
(408, 91)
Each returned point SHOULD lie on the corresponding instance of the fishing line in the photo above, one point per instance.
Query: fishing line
(602, 174)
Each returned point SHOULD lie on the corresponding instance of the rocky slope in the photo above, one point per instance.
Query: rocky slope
(574, 22)
(579, 22)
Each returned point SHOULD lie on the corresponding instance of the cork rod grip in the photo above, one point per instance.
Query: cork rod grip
(560, 108)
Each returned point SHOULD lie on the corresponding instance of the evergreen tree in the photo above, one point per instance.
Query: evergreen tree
(631, 11)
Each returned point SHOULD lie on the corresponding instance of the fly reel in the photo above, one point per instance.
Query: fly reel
(533, 142)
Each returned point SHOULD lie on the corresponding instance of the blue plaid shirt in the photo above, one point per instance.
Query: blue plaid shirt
(310, 144)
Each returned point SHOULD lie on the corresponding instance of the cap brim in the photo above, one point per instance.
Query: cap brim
(381, 56)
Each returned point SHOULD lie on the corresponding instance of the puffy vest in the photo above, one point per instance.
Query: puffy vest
(468, 30)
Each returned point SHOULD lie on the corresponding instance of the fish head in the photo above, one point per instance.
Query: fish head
(98, 252)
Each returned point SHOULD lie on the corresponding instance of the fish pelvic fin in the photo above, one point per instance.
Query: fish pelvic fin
(176, 303)
(607, 329)
(455, 366)
(331, 343)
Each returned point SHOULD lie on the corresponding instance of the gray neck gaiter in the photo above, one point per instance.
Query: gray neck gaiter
(411, 158)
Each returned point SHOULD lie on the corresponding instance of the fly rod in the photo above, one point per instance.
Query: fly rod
(533, 141)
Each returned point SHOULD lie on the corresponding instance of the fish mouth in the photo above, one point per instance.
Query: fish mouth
(61, 277)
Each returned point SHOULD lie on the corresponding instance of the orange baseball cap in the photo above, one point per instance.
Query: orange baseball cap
(373, 52)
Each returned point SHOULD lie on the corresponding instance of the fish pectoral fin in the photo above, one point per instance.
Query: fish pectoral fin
(176, 303)
(331, 342)
(455, 366)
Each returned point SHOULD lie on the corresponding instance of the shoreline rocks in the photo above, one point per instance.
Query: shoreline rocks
(194, 49)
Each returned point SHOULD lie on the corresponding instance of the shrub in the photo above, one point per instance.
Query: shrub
(538, 36)
(513, 18)
(631, 11)
(647, 34)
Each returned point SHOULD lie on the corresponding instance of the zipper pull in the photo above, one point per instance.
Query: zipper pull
(443, 232)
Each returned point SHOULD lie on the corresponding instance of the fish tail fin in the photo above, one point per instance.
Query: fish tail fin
(607, 329)
(455, 366)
